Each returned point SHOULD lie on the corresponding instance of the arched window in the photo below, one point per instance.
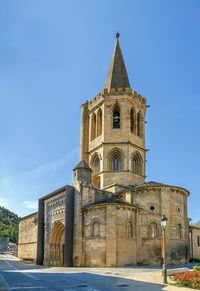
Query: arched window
(133, 165)
(99, 166)
(116, 117)
(99, 122)
(132, 121)
(139, 124)
(130, 229)
(153, 231)
(136, 164)
(96, 164)
(93, 127)
(178, 231)
(95, 229)
(115, 160)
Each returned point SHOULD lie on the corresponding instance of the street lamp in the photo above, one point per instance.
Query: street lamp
(163, 222)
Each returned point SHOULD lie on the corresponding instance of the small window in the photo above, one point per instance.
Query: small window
(152, 208)
(198, 241)
(130, 229)
(116, 117)
(153, 230)
(178, 231)
(95, 229)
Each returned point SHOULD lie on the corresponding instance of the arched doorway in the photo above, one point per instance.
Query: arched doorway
(56, 256)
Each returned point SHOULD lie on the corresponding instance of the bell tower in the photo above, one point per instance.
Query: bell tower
(113, 130)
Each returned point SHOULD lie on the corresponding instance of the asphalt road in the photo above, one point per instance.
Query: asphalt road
(18, 275)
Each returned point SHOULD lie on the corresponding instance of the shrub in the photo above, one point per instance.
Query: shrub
(196, 268)
(188, 279)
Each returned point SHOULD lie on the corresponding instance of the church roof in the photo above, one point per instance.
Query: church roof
(111, 200)
(117, 76)
(82, 165)
(150, 184)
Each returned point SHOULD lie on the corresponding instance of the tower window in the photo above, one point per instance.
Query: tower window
(93, 127)
(139, 124)
(116, 161)
(132, 121)
(99, 122)
(133, 165)
(116, 117)
(96, 164)
(136, 164)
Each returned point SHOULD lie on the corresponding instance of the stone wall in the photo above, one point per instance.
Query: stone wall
(156, 201)
(111, 244)
(194, 243)
(28, 227)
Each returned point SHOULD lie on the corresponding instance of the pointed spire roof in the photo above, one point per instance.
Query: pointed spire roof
(117, 76)
(82, 165)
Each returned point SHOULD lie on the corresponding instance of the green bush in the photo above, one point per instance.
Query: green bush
(196, 268)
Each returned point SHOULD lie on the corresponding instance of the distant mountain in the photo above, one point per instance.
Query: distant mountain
(8, 224)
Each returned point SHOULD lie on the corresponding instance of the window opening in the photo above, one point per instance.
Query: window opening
(138, 124)
(132, 120)
(130, 229)
(178, 231)
(116, 163)
(116, 117)
(198, 241)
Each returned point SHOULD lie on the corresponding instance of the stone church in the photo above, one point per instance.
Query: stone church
(110, 216)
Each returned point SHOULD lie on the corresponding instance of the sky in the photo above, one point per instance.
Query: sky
(55, 55)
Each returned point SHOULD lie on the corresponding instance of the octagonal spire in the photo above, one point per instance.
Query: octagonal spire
(117, 76)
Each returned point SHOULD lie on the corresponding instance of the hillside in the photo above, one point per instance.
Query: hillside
(8, 224)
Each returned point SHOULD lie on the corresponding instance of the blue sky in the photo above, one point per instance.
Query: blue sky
(54, 55)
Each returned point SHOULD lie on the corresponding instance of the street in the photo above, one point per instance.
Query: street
(17, 275)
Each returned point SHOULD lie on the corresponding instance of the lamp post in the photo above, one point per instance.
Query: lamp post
(163, 222)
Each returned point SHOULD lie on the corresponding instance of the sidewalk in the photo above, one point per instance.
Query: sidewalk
(157, 279)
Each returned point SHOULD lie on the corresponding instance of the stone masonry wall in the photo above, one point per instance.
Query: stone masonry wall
(194, 243)
(27, 248)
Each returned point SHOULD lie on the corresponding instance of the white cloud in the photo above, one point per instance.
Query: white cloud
(3, 202)
(52, 166)
(31, 204)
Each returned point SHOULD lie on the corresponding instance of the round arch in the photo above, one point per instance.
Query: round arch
(56, 252)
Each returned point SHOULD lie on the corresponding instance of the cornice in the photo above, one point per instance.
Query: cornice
(116, 144)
